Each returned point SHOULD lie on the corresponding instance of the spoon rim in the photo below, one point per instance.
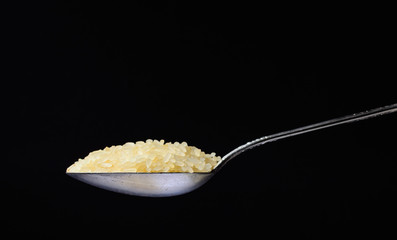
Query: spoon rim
(138, 173)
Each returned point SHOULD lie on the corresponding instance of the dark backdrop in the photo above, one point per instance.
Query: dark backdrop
(82, 76)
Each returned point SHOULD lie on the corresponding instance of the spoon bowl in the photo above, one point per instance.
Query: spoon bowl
(168, 184)
(164, 184)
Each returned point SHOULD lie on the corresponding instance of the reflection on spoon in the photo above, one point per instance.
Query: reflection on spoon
(166, 184)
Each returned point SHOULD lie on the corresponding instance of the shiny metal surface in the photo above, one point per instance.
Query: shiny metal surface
(172, 184)
(145, 184)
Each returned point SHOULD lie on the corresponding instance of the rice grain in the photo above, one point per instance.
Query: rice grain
(149, 156)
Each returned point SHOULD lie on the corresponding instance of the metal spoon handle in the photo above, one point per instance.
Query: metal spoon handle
(313, 127)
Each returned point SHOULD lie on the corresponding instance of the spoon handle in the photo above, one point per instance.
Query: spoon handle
(313, 127)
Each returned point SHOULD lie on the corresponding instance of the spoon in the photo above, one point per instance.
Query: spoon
(168, 184)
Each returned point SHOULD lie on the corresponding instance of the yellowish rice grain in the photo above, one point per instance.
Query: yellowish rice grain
(149, 156)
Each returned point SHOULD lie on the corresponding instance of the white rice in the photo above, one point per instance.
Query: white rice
(149, 156)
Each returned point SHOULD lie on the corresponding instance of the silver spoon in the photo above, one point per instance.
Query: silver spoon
(172, 184)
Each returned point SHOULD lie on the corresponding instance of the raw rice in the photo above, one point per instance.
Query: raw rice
(149, 156)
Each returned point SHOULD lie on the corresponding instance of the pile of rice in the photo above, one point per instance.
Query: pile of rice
(149, 156)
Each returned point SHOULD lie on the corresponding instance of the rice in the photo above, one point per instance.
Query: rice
(149, 156)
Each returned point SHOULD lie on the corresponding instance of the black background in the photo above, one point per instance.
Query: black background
(82, 76)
